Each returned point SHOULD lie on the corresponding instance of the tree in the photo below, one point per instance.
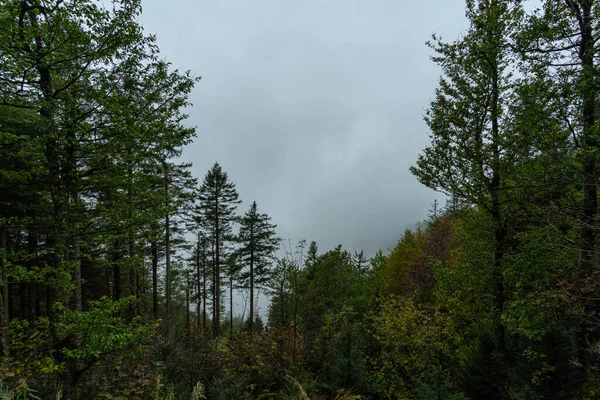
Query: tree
(471, 152)
(87, 144)
(178, 188)
(232, 272)
(361, 261)
(560, 45)
(218, 201)
(201, 273)
(258, 243)
(311, 258)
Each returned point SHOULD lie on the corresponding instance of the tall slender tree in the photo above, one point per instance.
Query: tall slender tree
(471, 151)
(258, 242)
(201, 273)
(232, 272)
(218, 200)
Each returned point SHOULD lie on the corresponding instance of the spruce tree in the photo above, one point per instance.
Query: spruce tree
(218, 200)
(201, 275)
(258, 245)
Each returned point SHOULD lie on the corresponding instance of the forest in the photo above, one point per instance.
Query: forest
(118, 267)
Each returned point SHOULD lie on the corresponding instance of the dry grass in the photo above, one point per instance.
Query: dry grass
(198, 393)
(59, 393)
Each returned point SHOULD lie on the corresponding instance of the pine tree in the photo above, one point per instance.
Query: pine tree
(258, 245)
(178, 189)
(232, 272)
(201, 275)
(312, 258)
(98, 140)
(218, 200)
(360, 261)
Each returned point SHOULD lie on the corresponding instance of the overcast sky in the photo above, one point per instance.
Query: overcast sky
(314, 108)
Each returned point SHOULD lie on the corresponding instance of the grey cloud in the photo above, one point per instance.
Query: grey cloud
(314, 108)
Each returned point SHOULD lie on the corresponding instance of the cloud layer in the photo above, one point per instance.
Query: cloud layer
(314, 108)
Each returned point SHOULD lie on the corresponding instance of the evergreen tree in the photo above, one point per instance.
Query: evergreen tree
(258, 243)
(218, 200)
(201, 276)
(68, 103)
(232, 272)
(311, 258)
(360, 261)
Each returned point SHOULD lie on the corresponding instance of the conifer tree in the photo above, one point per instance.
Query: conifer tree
(218, 200)
(232, 272)
(201, 275)
(258, 245)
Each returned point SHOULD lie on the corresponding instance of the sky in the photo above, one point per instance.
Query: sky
(314, 108)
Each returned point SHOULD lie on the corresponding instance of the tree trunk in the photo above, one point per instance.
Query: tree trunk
(187, 309)
(133, 281)
(204, 294)
(167, 250)
(117, 275)
(496, 213)
(198, 289)
(586, 335)
(231, 305)
(214, 290)
(32, 248)
(168, 268)
(282, 294)
(217, 277)
(154, 251)
(74, 239)
(3, 293)
(295, 313)
(251, 317)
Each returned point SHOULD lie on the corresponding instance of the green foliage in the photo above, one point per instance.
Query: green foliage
(99, 331)
(438, 385)
(258, 242)
(215, 215)
(493, 297)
